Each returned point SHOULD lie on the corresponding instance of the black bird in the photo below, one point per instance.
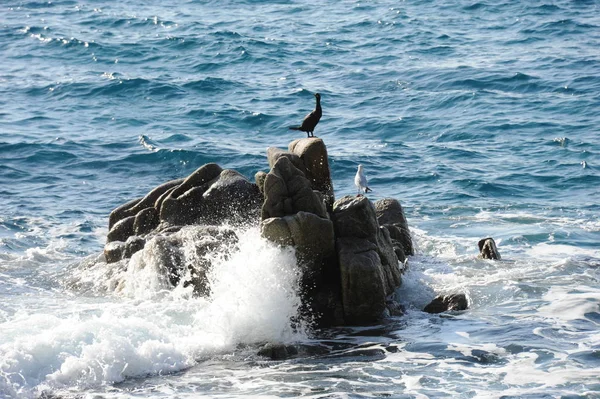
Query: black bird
(311, 120)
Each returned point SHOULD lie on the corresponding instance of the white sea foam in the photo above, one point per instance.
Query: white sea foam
(145, 329)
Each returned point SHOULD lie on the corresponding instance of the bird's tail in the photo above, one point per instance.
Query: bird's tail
(294, 127)
(367, 190)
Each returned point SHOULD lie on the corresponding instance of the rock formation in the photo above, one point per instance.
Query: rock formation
(351, 252)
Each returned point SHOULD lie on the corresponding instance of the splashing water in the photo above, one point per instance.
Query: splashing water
(143, 328)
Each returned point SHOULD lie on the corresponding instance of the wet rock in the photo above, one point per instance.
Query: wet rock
(391, 216)
(394, 308)
(311, 235)
(122, 230)
(146, 221)
(183, 205)
(278, 351)
(186, 254)
(231, 198)
(288, 191)
(488, 249)
(134, 207)
(113, 251)
(122, 212)
(368, 264)
(455, 302)
(150, 199)
(133, 245)
(212, 196)
(313, 239)
(313, 154)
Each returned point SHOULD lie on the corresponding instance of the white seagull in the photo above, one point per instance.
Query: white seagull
(360, 180)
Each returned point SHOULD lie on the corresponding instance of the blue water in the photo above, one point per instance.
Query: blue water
(482, 118)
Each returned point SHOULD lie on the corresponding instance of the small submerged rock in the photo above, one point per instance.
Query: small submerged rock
(278, 351)
(488, 249)
(443, 303)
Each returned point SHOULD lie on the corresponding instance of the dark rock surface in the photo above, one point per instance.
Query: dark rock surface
(113, 251)
(183, 205)
(278, 351)
(288, 191)
(455, 302)
(122, 230)
(146, 221)
(391, 216)
(311, 235)
(369, 267)
(488, 249)
(209, 196)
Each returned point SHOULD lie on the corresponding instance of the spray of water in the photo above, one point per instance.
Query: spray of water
(143, 326)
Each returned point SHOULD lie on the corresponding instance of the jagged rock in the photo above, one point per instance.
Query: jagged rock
(295, 214)
(278, 351)
(113, 251)
(122, 230)
(488, 249)
(287, 192)
(199, 178)
(391, 216)
(444, 303)
(368, 263)
(146, 220)
(259, 179)
(313, 153)
(150, 199)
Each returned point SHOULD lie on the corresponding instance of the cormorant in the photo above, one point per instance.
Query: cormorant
(311, 120)
(360, 180)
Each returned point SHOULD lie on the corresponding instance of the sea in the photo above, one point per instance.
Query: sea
(481, 117)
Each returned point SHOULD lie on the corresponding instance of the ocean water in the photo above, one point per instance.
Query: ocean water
(482, 118)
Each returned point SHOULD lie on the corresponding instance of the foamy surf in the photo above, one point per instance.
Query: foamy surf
(141, 328)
